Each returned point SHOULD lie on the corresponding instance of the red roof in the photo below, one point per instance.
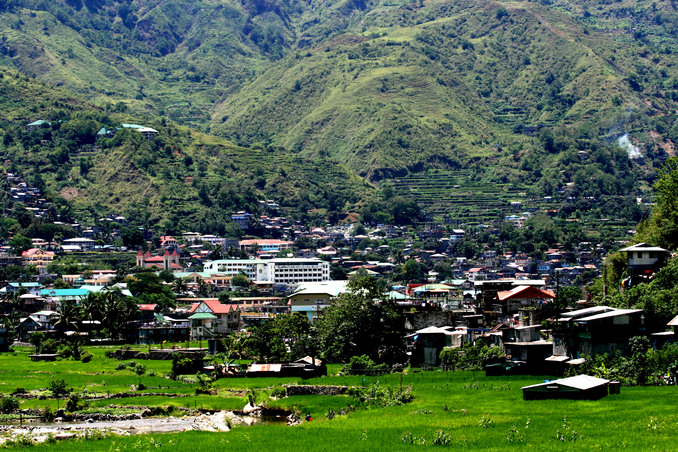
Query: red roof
(34, 251)
(215, 306)
(147, 307)
(155, 259)
(523, 292)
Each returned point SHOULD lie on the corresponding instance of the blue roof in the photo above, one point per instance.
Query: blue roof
(64, 292)
(25, 284)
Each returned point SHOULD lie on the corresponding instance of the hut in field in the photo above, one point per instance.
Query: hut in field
(581, 387)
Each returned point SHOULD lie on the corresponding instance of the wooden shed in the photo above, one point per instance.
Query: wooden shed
(581, 387)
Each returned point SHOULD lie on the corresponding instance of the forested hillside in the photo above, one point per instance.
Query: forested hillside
(177, 180)
(529, 99)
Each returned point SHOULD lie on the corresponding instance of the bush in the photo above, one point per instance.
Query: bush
(86, 357)
(72, 403)
(58, 387)
(49, 346)
(47, 414)
(363, 365)
(9, 404)
(183, 366)
(469, 356)
(383, 395)
(279, 392)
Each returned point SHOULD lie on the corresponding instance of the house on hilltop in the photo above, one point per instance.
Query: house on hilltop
(643, 261)
(40, 258)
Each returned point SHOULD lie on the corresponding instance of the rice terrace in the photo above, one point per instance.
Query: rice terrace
(413, 409)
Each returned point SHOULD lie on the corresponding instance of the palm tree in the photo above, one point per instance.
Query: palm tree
(203, 288)
(11, 302)
(91, 306)
(116, 310)
(70, 314)
(180, 286)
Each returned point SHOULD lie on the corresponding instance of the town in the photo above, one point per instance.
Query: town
(202, 287)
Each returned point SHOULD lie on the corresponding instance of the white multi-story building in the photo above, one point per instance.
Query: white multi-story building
(277, 271)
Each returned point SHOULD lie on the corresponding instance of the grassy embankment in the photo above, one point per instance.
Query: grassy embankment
(458, 409)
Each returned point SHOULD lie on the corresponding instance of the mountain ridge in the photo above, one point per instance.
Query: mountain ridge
(532, 93)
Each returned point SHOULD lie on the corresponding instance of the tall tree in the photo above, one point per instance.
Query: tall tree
(69, 317)
(662, 227)
(361, 322)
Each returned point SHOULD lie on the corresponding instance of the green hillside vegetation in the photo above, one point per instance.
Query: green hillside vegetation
(526, 97)
(180, 179)
(659, 295)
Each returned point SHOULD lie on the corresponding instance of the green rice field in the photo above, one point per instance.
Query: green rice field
(450, 409)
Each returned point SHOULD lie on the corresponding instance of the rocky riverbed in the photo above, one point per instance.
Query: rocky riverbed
(220, 421)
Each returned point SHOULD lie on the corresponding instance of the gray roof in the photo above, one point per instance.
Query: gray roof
(643, 247)
(586, 312)
(605, 315)
(582, 382)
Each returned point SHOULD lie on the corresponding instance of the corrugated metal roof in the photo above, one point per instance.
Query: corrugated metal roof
(643, 247)
(587, 311)
(264, 368)
(605, 315)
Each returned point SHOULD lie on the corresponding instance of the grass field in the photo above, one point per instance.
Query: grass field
(455, 409)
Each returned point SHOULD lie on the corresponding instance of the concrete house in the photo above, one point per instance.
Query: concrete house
(596, 330)
(643, 260)
(211, 319)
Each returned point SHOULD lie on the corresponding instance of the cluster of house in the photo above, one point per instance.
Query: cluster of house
(104, 132)
(537, 337)
(516, 314)
(21, 192)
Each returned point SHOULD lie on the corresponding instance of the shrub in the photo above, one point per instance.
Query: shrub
(183, 366)
(49, 346)
(47, 414)
(58, 387)
(86, 357)
(9, 404)
(279, 392)
(378, 395)
(72, 403)
(363, 365)
(204, 381)
(469, 356)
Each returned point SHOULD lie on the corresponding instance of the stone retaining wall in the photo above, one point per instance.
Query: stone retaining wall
(315, 390)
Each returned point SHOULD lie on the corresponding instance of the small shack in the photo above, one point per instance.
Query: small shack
(305, 368)
(581, 387)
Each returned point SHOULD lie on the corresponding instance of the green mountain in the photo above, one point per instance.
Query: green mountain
(517, 100)
(179, 179)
